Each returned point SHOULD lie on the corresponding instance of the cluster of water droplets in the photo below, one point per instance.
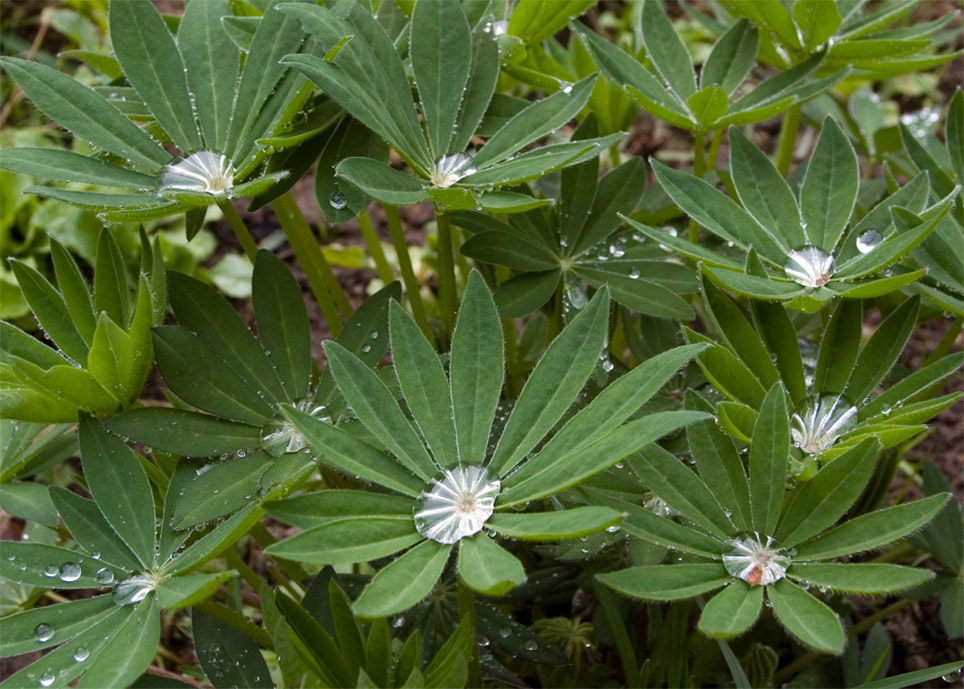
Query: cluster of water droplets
(497, 28)
(809, 266)
(456, 504)
(451, 168)
(204, 172)
(284, 438)
(820, 422)
(757, 560)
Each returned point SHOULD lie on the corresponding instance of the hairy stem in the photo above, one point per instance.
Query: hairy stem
(312, 259)
(699, 169)
(448, 299)
(239, 228)
(384, 269)
(408, 273)
(788, 139)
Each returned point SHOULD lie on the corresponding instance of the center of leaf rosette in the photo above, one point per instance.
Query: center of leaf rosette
(757, 560)
(456, 504)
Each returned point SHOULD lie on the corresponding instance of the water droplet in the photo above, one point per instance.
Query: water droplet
(757, 562)
(69, 571)
(46, 679)
(820, 421)
(133, 590)
(203, 172)
(43, 633)
(530, 645)
(868, 241)
(952, 676)
(450, 169)
(809, 266)
(456, 504)
(105, 576)
(337, 201)
(50, 571)
(81, 654)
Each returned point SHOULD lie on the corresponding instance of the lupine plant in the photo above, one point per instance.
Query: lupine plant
(657, 385)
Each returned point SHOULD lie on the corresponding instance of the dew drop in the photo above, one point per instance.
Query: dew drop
(81, 654)
(868, 241)
(43, 633)
(456, 504)
(757, 560)
(69, 571)
(105, 576)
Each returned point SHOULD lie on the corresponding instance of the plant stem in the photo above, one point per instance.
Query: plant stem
(789, 129)
(408, 274)
(944, 346)
(446, 270)
(235, 562)
(715, 149)
(240, 229)
(614, 155)
(467, 617)
(375, 248)
(699, 169)
(310, 256)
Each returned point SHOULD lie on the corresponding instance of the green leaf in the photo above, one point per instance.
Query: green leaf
(534, 22)
(67, 620)
(183, 432)
(718, 213)
(726, 372)
(212, 60)
(314, 647)
(732, 57)
(475, 370)
(618, 192)
(224, 535)
(91, 530)
(909, 679)
(353, 539)
(181, 592)
(806, 618)
(549, 472)
(521, 295)
(200, 309)
(708, 105)
(440, 63)
(829, 189)
(554, 384)
(59, 663)
(228, 657)
(732, 611)
(828, 495)
(149, 57)
(666, 49)
(720, 466)
(862, 577)
(655, 292)
(682, 489)
(312, 509)
(816, 20)
(882, 349)
(769, 455)
(645, 524)
(667, 582)
(43, 565)
(424, 385)
(31, 502)
(838, 347)
(381, 181)
(282, 323)
(131, 649)
(488, 568)
(219, 490)
(50, 309)
(534, 122)
(376, 408)
(197, 375)
(509, 249)
(65, 166)
(404, 582)
(483, 77)
(87, 115)
(870, 531)
(763, 191)
(347, 453)
(120, 488)
(553, 526)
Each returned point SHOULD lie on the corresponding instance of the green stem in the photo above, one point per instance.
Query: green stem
(310, 256)
(446, 271)
(408, 274)
(375, 248)
(235, 562)
(467, 617)
(715, 149)
(699, 169)
(614, 155)
(944, 346)
(789, 129)
(240, 229)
